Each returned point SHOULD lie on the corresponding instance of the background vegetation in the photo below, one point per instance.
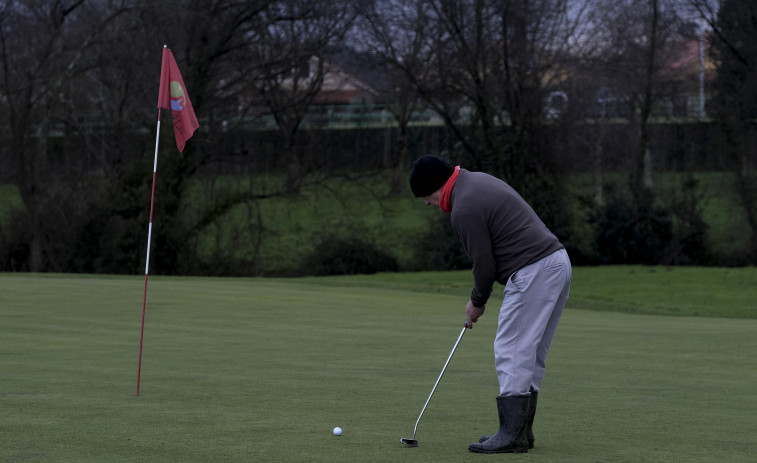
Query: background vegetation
(581, 105)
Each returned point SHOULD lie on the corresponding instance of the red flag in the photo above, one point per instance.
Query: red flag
(173, 95)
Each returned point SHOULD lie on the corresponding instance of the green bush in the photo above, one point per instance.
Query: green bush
(669, 229)
(336, 255)
(632, 234)
(440, 249)
(690, 239)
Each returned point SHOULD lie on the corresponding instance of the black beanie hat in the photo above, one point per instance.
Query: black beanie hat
(429, 174)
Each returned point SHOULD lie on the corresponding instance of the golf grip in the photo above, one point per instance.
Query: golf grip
(444, 368)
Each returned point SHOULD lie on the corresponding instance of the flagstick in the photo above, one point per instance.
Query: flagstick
(147, 261)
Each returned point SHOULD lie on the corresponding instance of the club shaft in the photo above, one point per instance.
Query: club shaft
(444, 368)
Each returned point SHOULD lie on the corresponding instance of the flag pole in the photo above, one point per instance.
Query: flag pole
(147, 260)
(171, 95)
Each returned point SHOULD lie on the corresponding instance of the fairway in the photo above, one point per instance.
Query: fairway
(243, 370)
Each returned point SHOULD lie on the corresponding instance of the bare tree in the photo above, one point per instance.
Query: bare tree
(236, 57)
(734, 102)
(71, 65)
(300, 37)
(45, 46)
(388, 34)
(487, 68)
(635, 39)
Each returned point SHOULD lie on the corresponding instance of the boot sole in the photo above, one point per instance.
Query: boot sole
(486, 438)
(510, 450)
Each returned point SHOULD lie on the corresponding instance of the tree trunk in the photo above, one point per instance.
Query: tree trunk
(598, 174)
(399, 176)
(598, 155)
(648, 182)
(641, 176)
(32, 200)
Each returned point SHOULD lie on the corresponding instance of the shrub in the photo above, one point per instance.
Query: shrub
(440, 248)
(689, 245)
(671, 232)
(336, 255)
(632, 235)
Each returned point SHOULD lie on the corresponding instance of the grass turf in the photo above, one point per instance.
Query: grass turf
(263, 369)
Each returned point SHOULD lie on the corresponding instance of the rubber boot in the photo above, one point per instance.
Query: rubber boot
(511, 438)
(529, 422)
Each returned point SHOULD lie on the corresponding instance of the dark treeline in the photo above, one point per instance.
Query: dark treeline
(531, 91)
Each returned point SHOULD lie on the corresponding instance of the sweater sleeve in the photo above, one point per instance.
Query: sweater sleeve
(474, 236)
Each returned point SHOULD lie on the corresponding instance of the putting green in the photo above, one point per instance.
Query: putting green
(239, 370)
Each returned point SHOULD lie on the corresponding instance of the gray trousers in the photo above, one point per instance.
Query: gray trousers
(534, 299)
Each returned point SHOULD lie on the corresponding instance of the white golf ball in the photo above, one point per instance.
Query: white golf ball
(337, 431)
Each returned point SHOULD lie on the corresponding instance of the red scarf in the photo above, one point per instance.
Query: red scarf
(447, 191)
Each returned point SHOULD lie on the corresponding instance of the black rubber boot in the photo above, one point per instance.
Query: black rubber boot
(511, 438)
(529, 422)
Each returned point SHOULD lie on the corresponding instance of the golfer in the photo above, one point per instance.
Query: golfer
(506, 242)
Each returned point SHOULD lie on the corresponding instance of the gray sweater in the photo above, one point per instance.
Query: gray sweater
(498, 229)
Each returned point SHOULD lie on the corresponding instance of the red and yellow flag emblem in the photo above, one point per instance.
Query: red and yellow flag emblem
(173, 95)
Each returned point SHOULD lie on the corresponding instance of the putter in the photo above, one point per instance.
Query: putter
(413, 442)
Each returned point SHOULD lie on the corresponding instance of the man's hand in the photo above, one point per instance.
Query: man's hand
(472, 313)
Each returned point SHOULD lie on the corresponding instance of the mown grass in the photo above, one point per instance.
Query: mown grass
(262, 369)
(655, 290)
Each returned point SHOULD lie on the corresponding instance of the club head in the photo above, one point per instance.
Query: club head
(409, 442)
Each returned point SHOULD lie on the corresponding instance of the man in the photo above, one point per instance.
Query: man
(506, 242)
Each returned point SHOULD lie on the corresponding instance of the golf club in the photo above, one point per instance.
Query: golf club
(412, 442)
